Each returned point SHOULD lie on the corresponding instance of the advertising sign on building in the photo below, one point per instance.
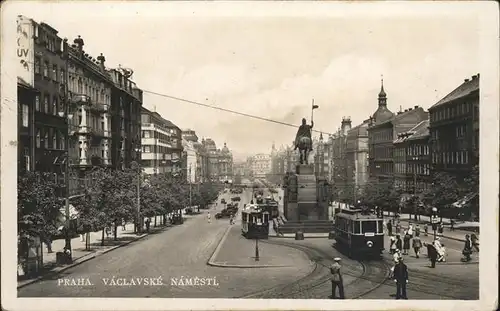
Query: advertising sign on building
(25, 53)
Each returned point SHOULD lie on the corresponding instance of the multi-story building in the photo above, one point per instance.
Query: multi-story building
(202, 174)
(225, 164)
(454, 136)
(174, 155)
(126, 104)
(339, 164)
(25, 124)
(47, 54)
(220, 162)
(156, 143)
(454, 129)
(261, 165)
(89, 89)
(412, 165)
(357, 155)
(190, 135)
(292, 159)
(189, 160)
(320, 156)
(383, 130)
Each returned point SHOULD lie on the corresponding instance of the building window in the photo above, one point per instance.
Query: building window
(37, 65)
(26, 115)
(46, 69)
(38, 139)
(55, 76)
(54, 106)
(37, 102)
(62, 78)
(46, 104)
(79, 86)
(62, 142)
(46, 140)
(54, 140)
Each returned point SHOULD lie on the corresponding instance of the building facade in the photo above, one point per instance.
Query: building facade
(337, 153)
(189, 160)
(156, 143)
(126, 105)
(320, 157)
(26, 126)
(89, 89)
(261, 165)
(412, 162)
(357, 155)
(454, 129)
(382, 132)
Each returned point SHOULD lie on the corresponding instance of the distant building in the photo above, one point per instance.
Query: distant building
(190, 135)
(412, 163)
(220, 162)
(189, 161)
(160, 144)
(383, 130)
(357, 155)
(25, 126)
(261, 165)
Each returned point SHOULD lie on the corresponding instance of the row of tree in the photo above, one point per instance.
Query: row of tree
(445, 189)
(110, 199)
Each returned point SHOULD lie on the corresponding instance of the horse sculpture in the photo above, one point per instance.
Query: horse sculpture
(305, 146)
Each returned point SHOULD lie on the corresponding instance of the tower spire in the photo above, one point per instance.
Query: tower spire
(382, 96)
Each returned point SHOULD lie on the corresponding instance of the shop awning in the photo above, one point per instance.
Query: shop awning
(462, 202)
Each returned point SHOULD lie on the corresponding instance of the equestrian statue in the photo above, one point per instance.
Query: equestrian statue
(303, 141)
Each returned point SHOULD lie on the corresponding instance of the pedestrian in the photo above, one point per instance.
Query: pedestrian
(392, 246)
(397, 256)
(452, 224)
(399, 243)
(417, 244)
(475, 241)
(432, 254)
(336, 279)
(406, 243)
(410, 229)
(401, 279)
(426, 229)
(124, 223)
(148, 223)
(417, 230)
(389, 227)
(467, 251)
(209, 217)
(108, 230)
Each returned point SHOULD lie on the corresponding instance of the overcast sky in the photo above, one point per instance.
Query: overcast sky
(273, 66)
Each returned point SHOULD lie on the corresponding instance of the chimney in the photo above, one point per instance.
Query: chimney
(346, 125)
(416, 106)
(406, 110)
(466, 80)
(474, 77)
(410, 109)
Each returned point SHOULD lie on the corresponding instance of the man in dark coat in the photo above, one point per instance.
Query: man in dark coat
(432, 253)
(389, 227)
(401, 278)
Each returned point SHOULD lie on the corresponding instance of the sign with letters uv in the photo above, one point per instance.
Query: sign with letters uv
(25, 53)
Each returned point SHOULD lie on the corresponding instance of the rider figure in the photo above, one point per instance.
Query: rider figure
(304, 131)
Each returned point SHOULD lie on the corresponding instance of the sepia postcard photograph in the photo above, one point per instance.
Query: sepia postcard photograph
(249, 155)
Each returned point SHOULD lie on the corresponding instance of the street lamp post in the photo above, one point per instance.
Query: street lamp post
(67, 245)
(139, 220)
(434, 221)
(257, 249)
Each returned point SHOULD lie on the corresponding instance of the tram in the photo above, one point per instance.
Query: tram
(271, 206)
(360, 231)
(254, 222)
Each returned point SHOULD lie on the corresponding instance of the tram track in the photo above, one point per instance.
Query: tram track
(369, 276)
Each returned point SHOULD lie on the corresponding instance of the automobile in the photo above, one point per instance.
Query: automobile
(223, 201)
(237, 199)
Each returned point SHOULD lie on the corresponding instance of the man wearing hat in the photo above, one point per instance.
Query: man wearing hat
(337, 278)
(401, 278)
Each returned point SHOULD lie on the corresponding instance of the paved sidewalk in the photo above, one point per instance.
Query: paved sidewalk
(81, 255)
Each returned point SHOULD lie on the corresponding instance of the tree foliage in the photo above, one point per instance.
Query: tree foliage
(38, 206)
(381, 194)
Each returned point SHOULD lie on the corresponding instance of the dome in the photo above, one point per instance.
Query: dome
(382, 114)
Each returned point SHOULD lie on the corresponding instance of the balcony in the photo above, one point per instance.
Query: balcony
(100, 107)
(81, 99)
(101, 133)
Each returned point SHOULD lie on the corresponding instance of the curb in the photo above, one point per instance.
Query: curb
(78, 262)
(211, 261)
(305, 237)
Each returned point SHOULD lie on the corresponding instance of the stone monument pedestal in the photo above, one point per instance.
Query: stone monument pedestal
(305, 169)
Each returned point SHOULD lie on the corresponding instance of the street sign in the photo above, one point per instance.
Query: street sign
(434, 219)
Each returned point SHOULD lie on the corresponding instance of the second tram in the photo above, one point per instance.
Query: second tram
(360, 231)
(254, 222)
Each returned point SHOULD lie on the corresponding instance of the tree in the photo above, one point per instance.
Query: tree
(38, 207)
(443, 192)
(382, 195)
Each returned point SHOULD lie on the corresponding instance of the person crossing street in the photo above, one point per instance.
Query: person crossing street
(336, 279)
(401, 279)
